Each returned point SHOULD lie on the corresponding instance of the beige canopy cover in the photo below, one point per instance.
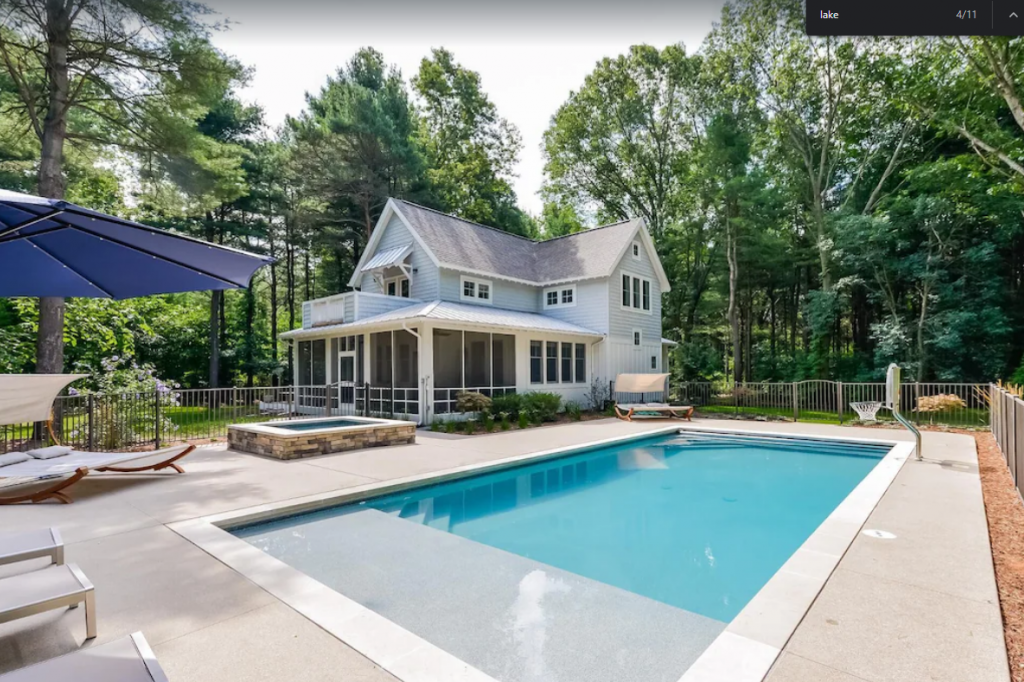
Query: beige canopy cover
(640, 383)
(29, 397)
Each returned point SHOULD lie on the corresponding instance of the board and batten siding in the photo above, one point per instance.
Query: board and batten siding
(622, 355)
(504, 294)
(424, 285)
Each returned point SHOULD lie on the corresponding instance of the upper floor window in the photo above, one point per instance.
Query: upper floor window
(563, 296)
(636, 293)
(474, 289)
(397, 286)
(635, 250)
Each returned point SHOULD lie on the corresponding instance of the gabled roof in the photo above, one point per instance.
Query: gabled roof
(462, 245)
(447, 311)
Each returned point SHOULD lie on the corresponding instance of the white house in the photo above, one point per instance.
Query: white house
(442, 305)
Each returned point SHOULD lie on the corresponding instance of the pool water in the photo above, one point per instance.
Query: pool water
(319, 424)
(697, 522)
(618, 564)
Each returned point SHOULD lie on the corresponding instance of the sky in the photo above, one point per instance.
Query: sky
(530, 54)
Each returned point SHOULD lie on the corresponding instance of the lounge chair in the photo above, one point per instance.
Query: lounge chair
(51, 588)
(48, 478)
(128, 659)
(634, 394)
(32, 544)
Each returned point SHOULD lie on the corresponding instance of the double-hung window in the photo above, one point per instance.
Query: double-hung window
(566, 363)
(552, 362)
(581, 363)
(637, 293)
(477, 290)
(536, 362)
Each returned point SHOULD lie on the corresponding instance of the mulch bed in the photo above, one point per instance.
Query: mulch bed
(1005, 514)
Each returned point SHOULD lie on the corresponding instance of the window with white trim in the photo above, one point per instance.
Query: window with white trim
(637, 293)
(654, 362)
(473, 289)
(638, 337)
(397, 286)
(635, 248)
(560, 297)
(558, 362)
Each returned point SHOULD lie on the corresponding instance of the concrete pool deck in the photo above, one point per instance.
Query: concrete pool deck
(920, 606)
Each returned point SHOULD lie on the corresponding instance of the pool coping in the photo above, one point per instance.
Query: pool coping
(743, 652)
(365, 424)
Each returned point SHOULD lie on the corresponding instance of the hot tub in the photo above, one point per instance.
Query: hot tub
(297, 438)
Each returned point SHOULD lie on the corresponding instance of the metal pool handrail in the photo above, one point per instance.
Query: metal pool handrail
(892, 390)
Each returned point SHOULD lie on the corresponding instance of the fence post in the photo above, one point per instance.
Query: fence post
(796, 403)
(366, 398)
(735, 397)
(329, 391)
(839, 401)
(91, 410)
(917, 399)
(156, 417)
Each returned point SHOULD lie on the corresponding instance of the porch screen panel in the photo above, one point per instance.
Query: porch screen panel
(447, 358)
(380, 359)
(319, 363)
(503, 360)
(407, 363)
(305, 366)
(333, 359)
(478, 360)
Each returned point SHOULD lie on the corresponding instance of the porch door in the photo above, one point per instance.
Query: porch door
(347, 371)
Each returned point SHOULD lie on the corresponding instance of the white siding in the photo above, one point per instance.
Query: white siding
(591, 309)
(622, 321)
(375, 305)
(424, 284)
(508, 295)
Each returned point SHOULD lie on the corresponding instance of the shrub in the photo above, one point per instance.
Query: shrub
(938, 403)
(471, 401)
(542, 407)
(449, 426)
(510, 403)
(469, 426)
(598, 394)
(505, 424)
(488, 423)
(436, 426)
(524, 420)
(574, 410)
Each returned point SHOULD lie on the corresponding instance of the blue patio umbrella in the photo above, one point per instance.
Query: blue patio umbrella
(55, 248)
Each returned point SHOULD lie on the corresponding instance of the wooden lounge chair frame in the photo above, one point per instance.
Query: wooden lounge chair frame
(667, 411)
(56, 491)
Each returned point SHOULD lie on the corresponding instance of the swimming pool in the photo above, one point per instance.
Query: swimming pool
(619, 563)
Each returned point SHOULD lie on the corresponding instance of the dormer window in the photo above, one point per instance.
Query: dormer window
(476, 290)
(563, 296)
(635, 248)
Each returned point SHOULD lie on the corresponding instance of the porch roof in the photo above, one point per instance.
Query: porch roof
(459, 314)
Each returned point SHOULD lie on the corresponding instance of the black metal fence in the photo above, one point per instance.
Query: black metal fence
(940, 404)
(1008, 429)
(137, 421)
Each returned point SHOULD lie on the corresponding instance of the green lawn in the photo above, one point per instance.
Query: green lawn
(964, 417)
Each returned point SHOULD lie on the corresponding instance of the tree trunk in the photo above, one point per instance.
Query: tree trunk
(734, 318)
(250, 341)
(50, 180)
(274, 379)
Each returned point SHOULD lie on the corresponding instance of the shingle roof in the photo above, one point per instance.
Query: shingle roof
(446, 311)
(462, 244)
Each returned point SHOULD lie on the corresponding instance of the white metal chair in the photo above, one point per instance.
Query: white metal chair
(51, 588)
(127, 659)
(32, 544)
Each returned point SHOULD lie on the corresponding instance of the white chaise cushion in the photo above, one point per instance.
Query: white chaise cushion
(50, 452)
(13, 458)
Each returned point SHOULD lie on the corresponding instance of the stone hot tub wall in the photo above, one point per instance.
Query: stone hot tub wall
(307, 444)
